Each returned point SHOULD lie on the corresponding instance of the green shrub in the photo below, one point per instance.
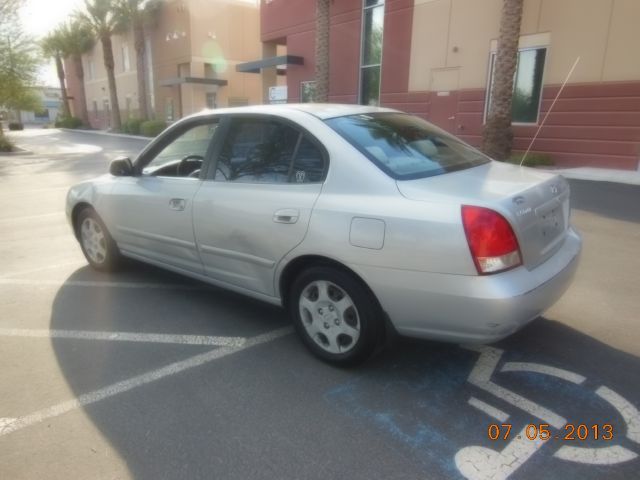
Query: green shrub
(68, 122)
(5, 144)
(151, 128)
(132, 126)
(16, 126)
(534, 159)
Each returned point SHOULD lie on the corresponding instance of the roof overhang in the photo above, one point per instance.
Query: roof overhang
(172, 82)
(257, 65)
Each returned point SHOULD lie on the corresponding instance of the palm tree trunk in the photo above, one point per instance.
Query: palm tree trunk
(82, 95)
(139, 45)
(107, 50)
(322, 51)
(498, 135)
(63, 88)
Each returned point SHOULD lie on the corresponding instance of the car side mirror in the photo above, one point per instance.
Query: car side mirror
(121, 167)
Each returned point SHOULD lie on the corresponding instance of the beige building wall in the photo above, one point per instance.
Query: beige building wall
(205, 39)
(96, 83)
(190, 38)
(458, 34)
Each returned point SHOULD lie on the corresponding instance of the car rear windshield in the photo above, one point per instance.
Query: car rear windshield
(406, 147)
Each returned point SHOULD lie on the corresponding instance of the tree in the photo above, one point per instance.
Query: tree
(498, 134)
(103, 17)
(137, 14)
(322, 51)
(53, 46)
(19, 60)
(77, 38)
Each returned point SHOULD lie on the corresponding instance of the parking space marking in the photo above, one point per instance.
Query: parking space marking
(79, 263)
(628, 412)
(480, 463)
(489, 409)
(480, 376)
(126, 337)
(595, 456)
(11, 425)
(31, 217)
(544, 369)
(100, 284)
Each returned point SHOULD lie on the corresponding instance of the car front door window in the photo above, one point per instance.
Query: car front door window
(184, 155)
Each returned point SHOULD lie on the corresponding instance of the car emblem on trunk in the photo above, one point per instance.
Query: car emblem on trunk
(555, 189)
(519, 200)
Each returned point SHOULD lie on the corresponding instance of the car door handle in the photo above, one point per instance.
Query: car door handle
(286, 215)
(177, 204)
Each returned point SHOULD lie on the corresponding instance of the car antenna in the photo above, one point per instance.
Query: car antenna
(549, 111)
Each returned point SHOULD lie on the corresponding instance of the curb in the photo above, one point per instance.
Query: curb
(108, 134)
(19, 151)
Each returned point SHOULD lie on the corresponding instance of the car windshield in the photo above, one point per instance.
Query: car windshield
(406, 147)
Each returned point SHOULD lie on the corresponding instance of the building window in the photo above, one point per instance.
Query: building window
(169, 109)
(211, 100)
(126, 64)
(527, 85)
(307, 92)
(371, 54)
(92, 69)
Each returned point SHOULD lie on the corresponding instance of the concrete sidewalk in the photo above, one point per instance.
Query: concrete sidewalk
(631, 177)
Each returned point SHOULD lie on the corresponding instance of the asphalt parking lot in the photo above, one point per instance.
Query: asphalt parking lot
(146, 375)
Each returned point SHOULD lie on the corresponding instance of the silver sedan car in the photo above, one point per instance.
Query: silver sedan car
(359, 221)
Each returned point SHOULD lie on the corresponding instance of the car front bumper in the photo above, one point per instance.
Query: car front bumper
(472, 309)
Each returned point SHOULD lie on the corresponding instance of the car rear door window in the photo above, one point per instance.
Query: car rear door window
(268, 151)
(406, 147)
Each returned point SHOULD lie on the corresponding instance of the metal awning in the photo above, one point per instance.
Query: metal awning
(172, 82)
(257, 65)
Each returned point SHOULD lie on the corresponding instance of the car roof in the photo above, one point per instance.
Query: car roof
(321, 110)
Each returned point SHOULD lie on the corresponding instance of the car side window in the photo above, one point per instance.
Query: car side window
(268, 151)
(184, 155)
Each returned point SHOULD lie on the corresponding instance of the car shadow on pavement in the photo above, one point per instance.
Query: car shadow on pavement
(273, 411)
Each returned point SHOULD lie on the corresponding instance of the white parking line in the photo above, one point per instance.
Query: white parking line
(78, 263)
(544, 369)
(100, 284)
(11, 425)
(126, 337)
(30, 217)
(489, 410)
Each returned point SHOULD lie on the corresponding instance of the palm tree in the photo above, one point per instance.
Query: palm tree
(322, 51)
(498, 135)
(102, 16)
(53, 46)
(138, 13)
(77, 38)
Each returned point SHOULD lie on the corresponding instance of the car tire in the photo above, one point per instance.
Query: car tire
(335, 315)
(96, 242)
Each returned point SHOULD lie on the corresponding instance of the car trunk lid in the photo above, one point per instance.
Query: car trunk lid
(535, 203)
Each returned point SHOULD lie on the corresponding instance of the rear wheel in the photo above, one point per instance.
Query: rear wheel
(336, 316)
(97, 245)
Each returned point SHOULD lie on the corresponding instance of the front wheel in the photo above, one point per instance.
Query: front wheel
(97, 245)
(336, 316)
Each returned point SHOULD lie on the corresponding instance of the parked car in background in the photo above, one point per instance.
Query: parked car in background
(357, 220)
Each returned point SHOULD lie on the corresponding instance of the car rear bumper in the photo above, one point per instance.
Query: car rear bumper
(472, 309)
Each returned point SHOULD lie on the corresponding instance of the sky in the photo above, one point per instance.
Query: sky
(38, 18)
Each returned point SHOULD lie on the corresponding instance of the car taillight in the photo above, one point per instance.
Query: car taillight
(494, 247)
